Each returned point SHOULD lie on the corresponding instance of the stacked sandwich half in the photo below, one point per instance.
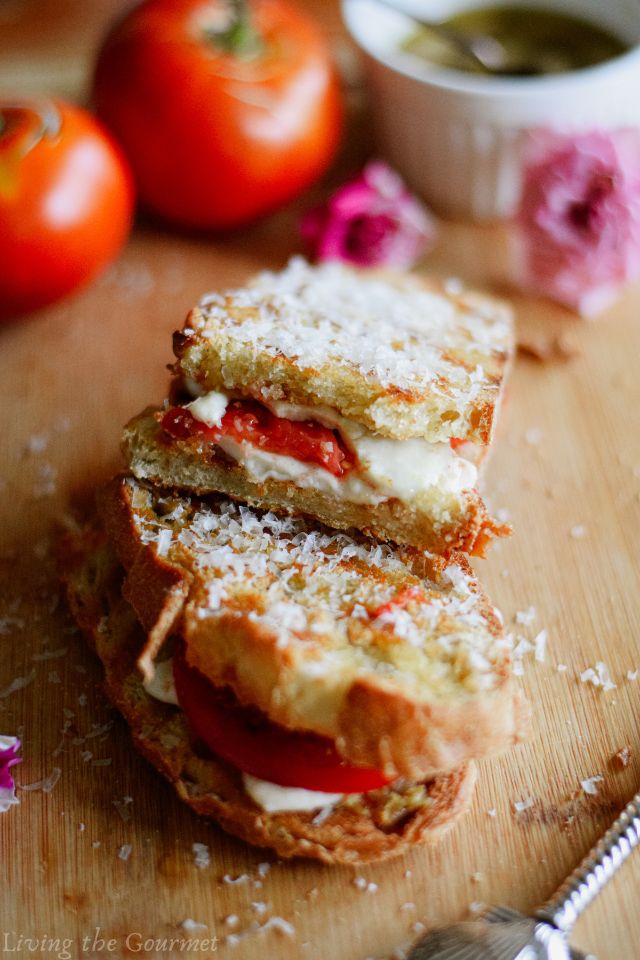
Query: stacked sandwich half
(278, 587)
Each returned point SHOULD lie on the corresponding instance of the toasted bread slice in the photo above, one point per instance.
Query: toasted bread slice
(439, 519)
(361, 829)
(396, 656)
(398, 354)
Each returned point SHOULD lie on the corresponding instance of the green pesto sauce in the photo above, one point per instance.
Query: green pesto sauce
(535, 41)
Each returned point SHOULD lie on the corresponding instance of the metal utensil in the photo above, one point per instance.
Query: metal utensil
(504, 934)
(484, 52)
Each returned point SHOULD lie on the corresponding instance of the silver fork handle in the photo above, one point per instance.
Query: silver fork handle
(587, 880)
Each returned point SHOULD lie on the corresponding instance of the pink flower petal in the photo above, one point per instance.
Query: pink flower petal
(579, 217)
(370, 221)
(9, 747)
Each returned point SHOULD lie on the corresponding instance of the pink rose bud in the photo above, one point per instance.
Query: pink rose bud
(579, 218)
(370, 221)
(9, 747)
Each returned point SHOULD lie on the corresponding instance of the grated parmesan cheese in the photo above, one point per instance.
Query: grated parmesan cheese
(314, 589)
(589, 785)
(600, 677)
(46, 785)
(201, 856)
(526, 617)
(540, 642)
(19, 683)
(329, 315)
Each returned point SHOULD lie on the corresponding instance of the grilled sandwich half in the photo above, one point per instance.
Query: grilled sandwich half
(355, 829)
(358, 399)
(313, 691)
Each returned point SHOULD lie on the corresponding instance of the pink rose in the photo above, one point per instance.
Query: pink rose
(9, 747)
(579, 217)
(370, 221)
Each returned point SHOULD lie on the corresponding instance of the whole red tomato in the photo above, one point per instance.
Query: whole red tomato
(66, 201)
(225, 110)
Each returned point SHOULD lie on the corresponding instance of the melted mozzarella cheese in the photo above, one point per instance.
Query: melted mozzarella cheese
(399, 468)
(209, 408)
(264, 465)
(387, 468)
(161, 686)
(273, 798)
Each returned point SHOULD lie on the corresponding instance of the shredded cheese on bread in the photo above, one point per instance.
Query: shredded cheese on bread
(316, 627)
(396, 353)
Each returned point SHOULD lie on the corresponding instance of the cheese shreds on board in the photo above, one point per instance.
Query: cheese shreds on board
(46, 784)
(600, 677)
(589, 785)
(18, 683)
(201, 856)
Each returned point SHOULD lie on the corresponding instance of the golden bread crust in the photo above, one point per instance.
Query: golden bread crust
(397, 353)
(405, 704)
(371, 827)
(444, 523)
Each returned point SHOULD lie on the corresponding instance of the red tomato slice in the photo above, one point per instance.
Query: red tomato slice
(245, 738)
(305, 440)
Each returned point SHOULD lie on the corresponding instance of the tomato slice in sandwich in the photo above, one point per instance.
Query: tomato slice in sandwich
(250, 421)
(244, 737)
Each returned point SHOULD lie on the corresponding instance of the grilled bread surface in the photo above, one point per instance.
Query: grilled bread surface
(396, 353)
(395, 655)
(360, 829)
(438, 520)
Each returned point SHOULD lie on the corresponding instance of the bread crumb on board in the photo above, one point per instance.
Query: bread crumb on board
(557, 348)
(621, 758)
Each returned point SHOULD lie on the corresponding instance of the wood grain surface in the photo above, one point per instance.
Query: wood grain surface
(567, 471)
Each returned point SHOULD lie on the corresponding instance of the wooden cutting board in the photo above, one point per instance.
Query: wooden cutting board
(566, 471)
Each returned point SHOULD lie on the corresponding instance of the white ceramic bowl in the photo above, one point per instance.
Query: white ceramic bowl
(457, 138)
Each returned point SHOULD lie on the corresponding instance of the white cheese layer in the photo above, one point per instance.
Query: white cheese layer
(209, 408)
(162, 686)
(264, 465)
(398, 468)
(274, 798)
(387, 468)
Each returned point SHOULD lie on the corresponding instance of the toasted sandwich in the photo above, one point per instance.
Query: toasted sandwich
(358, 399)
(312, 691)
(355, 829)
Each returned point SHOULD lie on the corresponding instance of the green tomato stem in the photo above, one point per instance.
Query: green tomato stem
(239, 36)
